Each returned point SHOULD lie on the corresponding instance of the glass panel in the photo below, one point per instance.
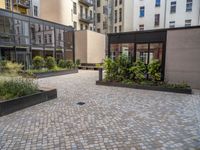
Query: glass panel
(1, 24)
(8, 25)
(49, 36)
(156, 52)
(142, 53)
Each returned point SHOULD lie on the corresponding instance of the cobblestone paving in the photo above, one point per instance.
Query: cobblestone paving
(112, 118)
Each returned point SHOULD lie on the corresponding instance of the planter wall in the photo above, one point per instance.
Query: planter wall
(10, 106)
(55, 73)
(146, 87)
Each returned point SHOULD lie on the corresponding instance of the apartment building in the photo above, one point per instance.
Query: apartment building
(26, 7)
(129, 15)
(76, 13)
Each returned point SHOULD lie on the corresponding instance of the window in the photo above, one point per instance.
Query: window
(7, 4)
(98, 30)
(115, 29)
(35, 11)
(120, 28)
(105, 10)
(98, 17)
(115, 16)
(91, 28)
(50, 38)
(188, 23)
(189, 5)
(120, 14)
(75, 25)
(81, 26)
(39, 39)
(90, 14)
(45, 39)
(115, 2)
(74, 8)
(104, 25)
(141, 27)
(120, 2)
(142, 11)
(98, 3)
(172, 24)
(173, 7)
(157, 3)
(86, 27)
(157, 20)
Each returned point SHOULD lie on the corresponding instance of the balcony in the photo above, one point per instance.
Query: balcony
(88, 3)
(86, 18)
(22, 3)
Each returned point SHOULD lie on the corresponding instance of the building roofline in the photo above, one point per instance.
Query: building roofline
(36, 18)
(153, 30)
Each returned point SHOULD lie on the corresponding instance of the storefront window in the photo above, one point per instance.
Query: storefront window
(142, 53)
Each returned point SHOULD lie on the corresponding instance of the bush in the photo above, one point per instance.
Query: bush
(69, 64)
(62, 63)
(154, 70)
(50, 62)
(138, 71)
(78, 62)
(17, 87)
(111, 69)
(10, 67)
(38, 62)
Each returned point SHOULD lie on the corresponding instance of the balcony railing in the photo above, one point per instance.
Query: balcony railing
(22, 3)
(86, 18)
(87, 2)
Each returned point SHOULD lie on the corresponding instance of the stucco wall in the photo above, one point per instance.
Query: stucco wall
(81, 46)
(183, 57)
(89, 46)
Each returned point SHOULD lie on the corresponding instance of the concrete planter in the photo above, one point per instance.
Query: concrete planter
(146, 87)
(10, 106)
(54, 73)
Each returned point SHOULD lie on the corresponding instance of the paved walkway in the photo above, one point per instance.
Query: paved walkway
(112, 118)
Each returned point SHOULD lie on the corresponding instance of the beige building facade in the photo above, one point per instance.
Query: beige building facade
(89, 47)
(76, 13)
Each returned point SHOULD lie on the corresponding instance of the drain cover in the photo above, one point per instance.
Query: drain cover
(80, 103)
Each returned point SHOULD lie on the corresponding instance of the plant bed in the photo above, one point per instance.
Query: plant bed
(12, 105)
(50, 73)
(186, 90)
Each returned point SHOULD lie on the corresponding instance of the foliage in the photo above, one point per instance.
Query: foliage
(69, 64)
(154, 70)
(38, 62)
(78, 62)
(138, 71)
(9, 67)
(17, 87)
(62, 63)
(50, 62)
(111, 69)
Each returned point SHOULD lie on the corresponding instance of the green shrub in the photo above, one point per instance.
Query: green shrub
(111, 69)
(154, 70)
(62, 63)
(10, 67)
(17, 87)
(3, 65)
(138, 71)
(78, 62)
(50, 62)
(69, 64)
(38, 62)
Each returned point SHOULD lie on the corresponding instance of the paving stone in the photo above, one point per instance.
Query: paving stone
(112, 118)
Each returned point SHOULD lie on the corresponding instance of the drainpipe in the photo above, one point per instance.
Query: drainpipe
(165, 12)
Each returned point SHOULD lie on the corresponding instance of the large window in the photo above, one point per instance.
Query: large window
(116, 2)
(98, 3)
(120, 14)
(173, 7)
(98, 17)
(188, 5)
(115, 16)
(142, 11)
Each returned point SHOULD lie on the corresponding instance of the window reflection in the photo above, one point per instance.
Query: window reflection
(142, 53)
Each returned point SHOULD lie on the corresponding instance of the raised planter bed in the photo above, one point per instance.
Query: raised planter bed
(146, 87)
(54, 73)
(10, 106)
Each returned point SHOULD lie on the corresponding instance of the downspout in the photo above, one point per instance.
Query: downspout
(165, 13)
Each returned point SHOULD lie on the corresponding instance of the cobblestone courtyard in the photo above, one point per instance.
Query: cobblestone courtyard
(112, 118)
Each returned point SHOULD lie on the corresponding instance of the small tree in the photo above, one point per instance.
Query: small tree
(154, 70)
(62, 63)
(78, 62)
(50, 62)
(69, 64)
(38, 62)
